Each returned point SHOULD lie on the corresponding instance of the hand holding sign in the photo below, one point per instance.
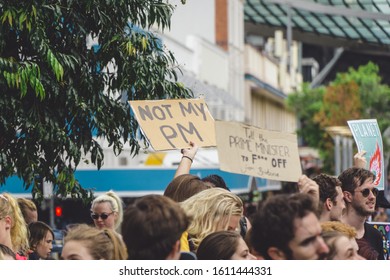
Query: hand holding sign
(187, 159)
(191, 151)
(368, 138)
(309, 186)
(359, 160)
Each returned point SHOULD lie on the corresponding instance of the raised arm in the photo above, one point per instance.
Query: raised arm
(309, 186)
(187, 159)
(359, 160)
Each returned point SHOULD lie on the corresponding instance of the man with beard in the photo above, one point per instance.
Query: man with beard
(360, 198)
(286, 227)
(332, 202)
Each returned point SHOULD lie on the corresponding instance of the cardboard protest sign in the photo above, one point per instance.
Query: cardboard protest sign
(171, 124)
(369, 138)
(257, 152)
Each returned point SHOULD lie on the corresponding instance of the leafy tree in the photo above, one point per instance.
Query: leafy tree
(58, 92)
(307, 103)
(374, 96)
(341, 102)
(356, 94)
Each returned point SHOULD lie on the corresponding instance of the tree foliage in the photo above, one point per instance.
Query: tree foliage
(341, 102)
(356, 94)
(58, 93)
(374, 96)
(307, 103)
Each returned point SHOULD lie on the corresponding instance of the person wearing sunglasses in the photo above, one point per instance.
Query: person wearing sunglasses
(107, 211)
(360, 196)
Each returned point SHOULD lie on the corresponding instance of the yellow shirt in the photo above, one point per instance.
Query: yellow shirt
(184, 245)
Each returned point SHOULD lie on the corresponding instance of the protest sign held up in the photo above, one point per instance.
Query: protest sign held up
(171, 124)
(257, 152)
(369, 138)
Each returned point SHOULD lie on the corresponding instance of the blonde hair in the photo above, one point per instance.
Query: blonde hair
(208, 210)
(102, 244)
(115, 203)
(347, 230)
(25, 205)
(19, 233)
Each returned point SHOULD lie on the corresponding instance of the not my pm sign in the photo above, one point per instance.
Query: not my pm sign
(172, 124)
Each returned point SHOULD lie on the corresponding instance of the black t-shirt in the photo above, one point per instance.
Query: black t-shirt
(374, 239)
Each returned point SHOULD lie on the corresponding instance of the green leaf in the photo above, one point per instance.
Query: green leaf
(66, 91)
(144, 43)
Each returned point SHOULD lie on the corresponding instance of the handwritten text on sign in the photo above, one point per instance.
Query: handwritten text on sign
(261, 153)
(171, 124)
(368, 138)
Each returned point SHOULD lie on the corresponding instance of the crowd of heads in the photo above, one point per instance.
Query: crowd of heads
(325, 218)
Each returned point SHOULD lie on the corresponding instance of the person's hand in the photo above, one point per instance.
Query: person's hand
(186, 160)
(359, 160)
(191, 151)
(309, 186)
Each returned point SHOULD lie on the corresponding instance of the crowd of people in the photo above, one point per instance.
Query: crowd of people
(200, 218)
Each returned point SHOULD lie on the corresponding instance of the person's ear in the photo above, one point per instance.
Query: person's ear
(175, 252)
(328, 203)
(8, 222)
(276, 253)
(347, 196)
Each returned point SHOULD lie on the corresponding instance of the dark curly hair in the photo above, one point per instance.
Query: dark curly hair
(273, 224)
(216, 180)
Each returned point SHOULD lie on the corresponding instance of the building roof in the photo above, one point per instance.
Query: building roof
(211, 93)
(347, 23)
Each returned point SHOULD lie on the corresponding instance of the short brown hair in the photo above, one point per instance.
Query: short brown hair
(273, 224)
(354, 177)
(184, 186)
(327, 186)
(220, 245)
(152, 226)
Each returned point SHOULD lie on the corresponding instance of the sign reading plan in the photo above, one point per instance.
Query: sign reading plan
(368, 138)
(261, 153)
(172, 124)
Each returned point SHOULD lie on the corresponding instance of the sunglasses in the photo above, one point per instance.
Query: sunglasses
(366, 192)
(104, 216)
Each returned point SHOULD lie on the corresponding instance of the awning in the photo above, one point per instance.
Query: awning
(263, 85)
(347, 23)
